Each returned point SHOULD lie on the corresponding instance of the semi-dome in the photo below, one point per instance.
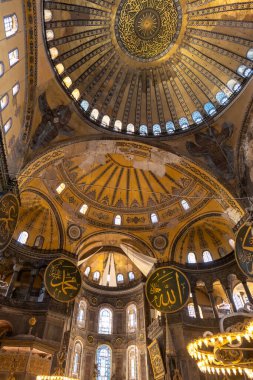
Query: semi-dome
(150, 68)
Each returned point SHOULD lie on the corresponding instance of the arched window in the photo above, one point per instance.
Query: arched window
(4, 101)
(96, 276)
(154, 218)
(13, 57)
(117, 220)
(60, 188)
(105, 121)
(239, 303)
(94, 114)
(83, 209)
(54, 52)
(67, 81)
(170, 127)
(131, 276)
(117, 125)
(210, 109)
(105, 321)
(47, 15)
(233, 85)
(183, 123)
(23, 236)
(120, 278)
(76, 94)
(39, 241)
(87, 271)
(191, 258)
(207, 257)
(131, 318)
(103, 361)
(49, 35)
(77, 356)
(231, 242)
(1, 69)
(244, 71)
(143, 130)
(197, 117)
(221, 97)
(85, 105)
(10, 25)
(156, 130)
(130, 128)
(185, 204)
(81, 314)
(250, 54)
(15, 89)
(191, 311)
(60, 68)
(132, 360)
(7, 125)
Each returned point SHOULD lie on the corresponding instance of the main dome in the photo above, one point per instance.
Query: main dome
(150, 68)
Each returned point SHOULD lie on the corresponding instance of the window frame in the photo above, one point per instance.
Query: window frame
(108, 330)
(109, 372)
(17, 60)
(13, 30)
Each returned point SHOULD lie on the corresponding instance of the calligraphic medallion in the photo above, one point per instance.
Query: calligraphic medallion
(167, 289)
(63, 280)
(9, 210)
(145, 29)
(244, 249)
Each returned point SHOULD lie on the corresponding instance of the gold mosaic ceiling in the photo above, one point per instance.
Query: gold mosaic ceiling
(149, 67)
(131, 180)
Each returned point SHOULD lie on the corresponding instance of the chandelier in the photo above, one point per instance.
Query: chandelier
(228, 353)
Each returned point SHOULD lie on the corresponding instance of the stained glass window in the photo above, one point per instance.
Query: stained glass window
(207, 257)
(130, 128)
(23, 236)
(210, 109)
(132, 363)
(10, 25)
(94, 114)
(120, 278)
(183, 122)
(131, 318)
(244, 71)
(143, 130)
(85, 105)
(131, 276)
(221, 97)
(77, 359)
(105, 321)
(156, 130)
(105, 121)
(103, 360)
(197, 117)
(117, 125)
(233, 85)
(81, 314)
(191, 258)
(170, 127)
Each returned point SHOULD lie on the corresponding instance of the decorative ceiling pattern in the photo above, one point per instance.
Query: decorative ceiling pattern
(119, 192)
(150, 68)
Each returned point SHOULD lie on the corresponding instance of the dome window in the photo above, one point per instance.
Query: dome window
(197, 117)
(105, 121)
(49, 35)
(60, 188)
(94, 114)
(54, 52)
(156, 130)
(250, 54)
(233, 85)
(83, 209)
(118, 125)
(59, 68)
(15, 89)
(23, 237)
(117, 220)
(207, 257)
(184, 123)
(87, 271)
(131, 276)
(10, 25)
(191, 258)
(96, 276)
(170, 127)
(221, 98)
(4, 101)
(120, 278)
(67, 81)
(76, 94)
(13, 57)
(48, 15)
(154, 218)
(85, 105)
(185, 205)
(1, 69)
(130, 128)
(244, 71)
(8, 125)
(143, 130)
(210, 109)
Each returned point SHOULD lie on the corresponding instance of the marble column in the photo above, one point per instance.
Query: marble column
(211, 297)
(34, 273)
(247, 291)
(195, 303)
(230, 297)
(16, 270)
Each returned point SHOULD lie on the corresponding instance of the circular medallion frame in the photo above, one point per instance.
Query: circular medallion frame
(244, 249)
(9, 211)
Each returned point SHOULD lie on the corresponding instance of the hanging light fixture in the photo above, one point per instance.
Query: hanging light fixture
(59, 373)
(226, 353)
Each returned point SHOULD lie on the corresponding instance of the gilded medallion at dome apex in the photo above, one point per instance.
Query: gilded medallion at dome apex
(150, 68)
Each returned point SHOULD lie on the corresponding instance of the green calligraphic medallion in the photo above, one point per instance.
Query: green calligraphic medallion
(9, 209)
(244, 249)
(167, 289)
(62, 280)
